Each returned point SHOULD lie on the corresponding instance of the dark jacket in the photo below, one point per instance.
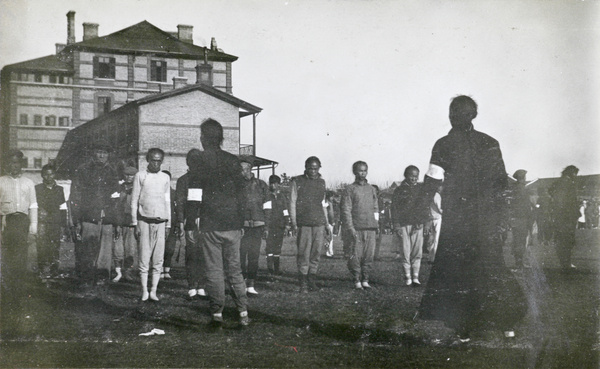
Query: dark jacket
(50, 201)
(256, 194)
(306, 201)
(219, 174)
(409, 206)
(123, 206)
(565, 207)
(359, 206)
(94, 193)
(279, 214)
(187, 205)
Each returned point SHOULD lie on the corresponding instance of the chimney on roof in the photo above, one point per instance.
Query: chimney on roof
(59, 47)
(90, 30)
(213, 44)
(179, 82)
(204, 73)
(185, 33)
(70, 27)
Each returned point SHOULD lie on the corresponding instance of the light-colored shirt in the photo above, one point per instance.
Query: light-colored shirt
(151, 197)
(17, 195)
(436, 206)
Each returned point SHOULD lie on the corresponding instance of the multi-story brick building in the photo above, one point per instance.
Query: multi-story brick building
(42, 99)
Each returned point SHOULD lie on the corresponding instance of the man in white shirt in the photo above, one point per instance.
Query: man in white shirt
(18, 211)
(151, 211)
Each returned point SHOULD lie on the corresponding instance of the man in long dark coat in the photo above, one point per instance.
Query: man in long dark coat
(565, 210)
(470, 288)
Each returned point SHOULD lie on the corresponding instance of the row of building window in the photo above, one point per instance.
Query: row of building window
(39, 77)
(37, 162)
(49, 120)
(104, 67)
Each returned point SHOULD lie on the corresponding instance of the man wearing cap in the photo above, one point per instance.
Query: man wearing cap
(125, 246)
(18, 213)
(521, 217)
(94, 193)
(258, 211)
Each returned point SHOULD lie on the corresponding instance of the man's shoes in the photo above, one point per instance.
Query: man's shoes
(365, 284)
(312, 285)
(193, 292)
(509, 334)
(145, 296)
(166, 275)
(251, 291)
(244, 319)
(408, 282)
(216, 324)
(358, 286)
(200, 292)
(153, 296)
(415, 282)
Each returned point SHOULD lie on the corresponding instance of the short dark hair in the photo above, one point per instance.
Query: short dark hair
(193, 157)
(312, 159)
(212, 131)
(48, 167)
(274, 179)
(154, 150)
(14, 153)
(463, 108)
(357, 164)
(409, 168)
(571, 169)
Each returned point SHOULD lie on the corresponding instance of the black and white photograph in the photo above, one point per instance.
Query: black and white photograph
(300, 184)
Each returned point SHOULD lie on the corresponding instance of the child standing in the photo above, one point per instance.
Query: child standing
(408, 215)
(52, 216)
(360, 216)
(125, 246)
(279, 219)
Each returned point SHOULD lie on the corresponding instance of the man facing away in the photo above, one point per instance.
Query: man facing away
(221, 220)
(309, 218)
(360, 214)
(151, 210)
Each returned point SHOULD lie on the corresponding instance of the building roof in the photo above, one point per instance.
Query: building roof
(144, 37)
(44, 64)
(209, 90)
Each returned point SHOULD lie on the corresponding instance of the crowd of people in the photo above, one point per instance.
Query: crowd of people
(126, 225)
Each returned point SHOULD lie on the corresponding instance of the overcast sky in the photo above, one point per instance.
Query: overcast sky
(372, 80)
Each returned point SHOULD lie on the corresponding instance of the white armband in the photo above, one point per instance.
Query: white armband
(324, 203)
(115, 195)
(286, 213)
(194, 194)
(376, 216)
(267, 205)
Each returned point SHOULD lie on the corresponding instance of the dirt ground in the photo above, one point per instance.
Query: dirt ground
(63, 326)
